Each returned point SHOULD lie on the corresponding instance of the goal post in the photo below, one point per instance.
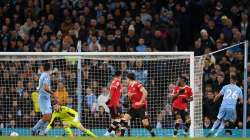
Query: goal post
(87, 80)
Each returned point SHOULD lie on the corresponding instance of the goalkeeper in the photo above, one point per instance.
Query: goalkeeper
(69, 118)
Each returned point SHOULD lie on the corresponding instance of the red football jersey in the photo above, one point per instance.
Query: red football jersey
(115, 93)
(134, 93)
(180, 101)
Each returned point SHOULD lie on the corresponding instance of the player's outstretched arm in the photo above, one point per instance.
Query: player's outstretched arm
(54, 115)
(217, 97)
(46, 88)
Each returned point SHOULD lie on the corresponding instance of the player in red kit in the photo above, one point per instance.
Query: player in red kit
(181, 96)
(114, 103)
(137, 94)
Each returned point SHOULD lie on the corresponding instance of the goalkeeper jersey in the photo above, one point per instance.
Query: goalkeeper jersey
(65, 114)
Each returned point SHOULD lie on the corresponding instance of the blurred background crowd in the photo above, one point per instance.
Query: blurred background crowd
(201, 26)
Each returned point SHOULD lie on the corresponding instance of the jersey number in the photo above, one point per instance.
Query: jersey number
(231, 94)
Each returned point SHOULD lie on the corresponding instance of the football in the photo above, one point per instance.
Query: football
(14, 134)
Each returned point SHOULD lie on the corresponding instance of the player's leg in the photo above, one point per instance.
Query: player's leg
(220, 129)
(147, 125)
(67, 129)
(114, 126)
(145, 121)
(115, 113)
(87, 131)
(124, 123)
(215, 126)
(177, 119)
(46, 109)
(230, 115)
(187, 121)
(218, 122)
(129, 128)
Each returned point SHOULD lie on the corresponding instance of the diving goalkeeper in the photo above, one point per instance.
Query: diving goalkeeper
(69, 118)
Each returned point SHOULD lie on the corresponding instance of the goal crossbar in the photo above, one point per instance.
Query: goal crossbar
(94, 53)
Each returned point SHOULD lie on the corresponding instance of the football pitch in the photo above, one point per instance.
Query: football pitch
(113, 138)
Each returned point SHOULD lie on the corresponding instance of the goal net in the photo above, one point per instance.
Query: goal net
(81, 81)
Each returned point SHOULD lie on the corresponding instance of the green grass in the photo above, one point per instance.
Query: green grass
(112, 138)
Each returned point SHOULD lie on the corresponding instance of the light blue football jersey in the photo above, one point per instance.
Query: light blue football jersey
(44, 79)
(231, 94)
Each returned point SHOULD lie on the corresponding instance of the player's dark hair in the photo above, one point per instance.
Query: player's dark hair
(46, 66)
(233, 78)
(131, 76)
(118, 73)
(183, 78)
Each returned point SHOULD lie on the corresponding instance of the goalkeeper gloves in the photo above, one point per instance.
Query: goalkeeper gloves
(47, 129)
(76, 119)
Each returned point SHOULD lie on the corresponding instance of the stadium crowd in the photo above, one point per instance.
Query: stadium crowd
(201, 26)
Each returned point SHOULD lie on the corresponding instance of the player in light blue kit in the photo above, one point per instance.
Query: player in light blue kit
(44, 100)
(227, 113)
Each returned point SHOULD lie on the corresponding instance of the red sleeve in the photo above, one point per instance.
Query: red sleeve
(113, 87)
(174, 91)
(190, 92)
(112, 90)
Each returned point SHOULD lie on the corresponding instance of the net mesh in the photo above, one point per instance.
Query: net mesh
(86, 89)
(198, 78)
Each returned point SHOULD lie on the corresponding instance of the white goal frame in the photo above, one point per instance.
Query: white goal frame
(82, 54)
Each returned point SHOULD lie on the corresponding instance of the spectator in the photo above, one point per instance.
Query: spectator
(240, 125)
(158, 43)
(228, 132)
(34, 96)
(61, 94)
(24, 104)
(206, 40)
(20, 88)
(131, 38)
(102, 118)
(212, 29)
(94, 45)
(198, 48)
(140, 73)
(12, 124)
(141, 47)
(160, 119)
(207, 123)
(248, 122)
(210, 108)
(90, 99)
(103, 98)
